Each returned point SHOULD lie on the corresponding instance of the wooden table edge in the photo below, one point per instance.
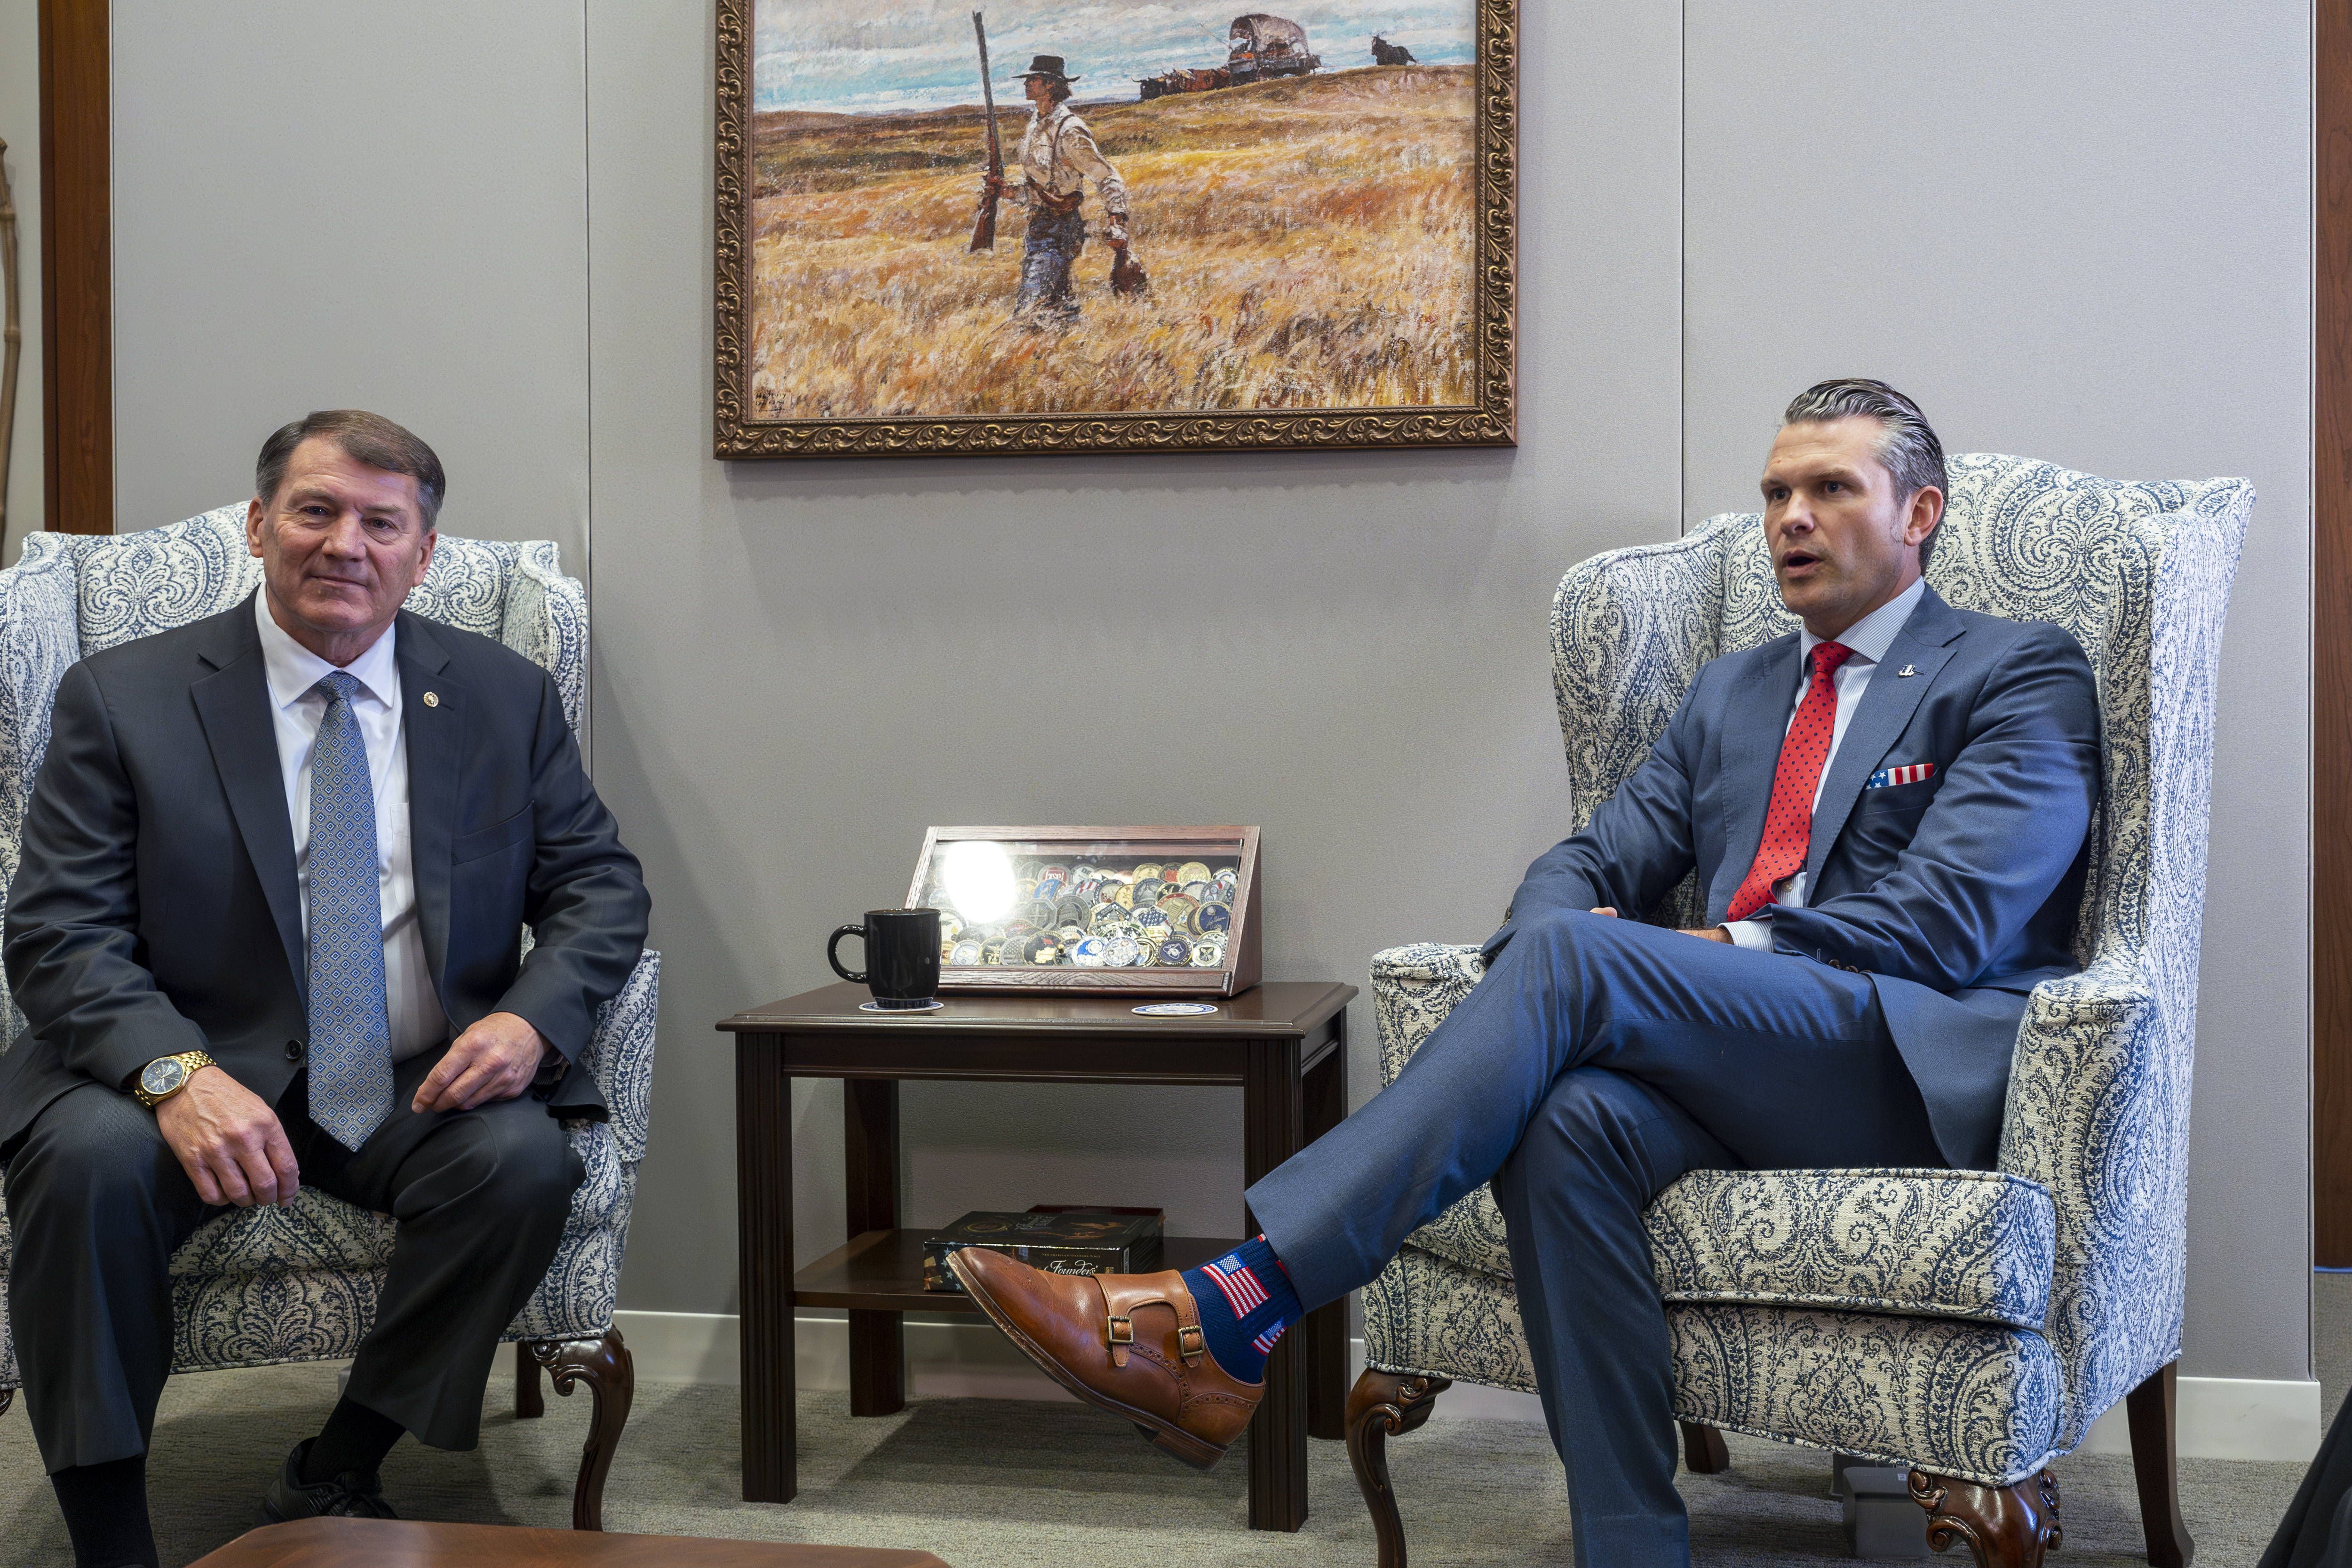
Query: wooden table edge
(771, 1019)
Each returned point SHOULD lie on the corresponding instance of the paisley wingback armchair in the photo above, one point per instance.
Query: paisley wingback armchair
(265, 1286)
(1967, 1325)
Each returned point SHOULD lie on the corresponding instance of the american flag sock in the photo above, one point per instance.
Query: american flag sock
(1246, 1302)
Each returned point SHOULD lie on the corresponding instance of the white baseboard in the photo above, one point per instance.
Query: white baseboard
(2220, 1417)
(2230, 1419)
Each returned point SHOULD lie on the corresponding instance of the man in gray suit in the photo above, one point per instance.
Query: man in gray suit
(264, 932)
(1888, 812)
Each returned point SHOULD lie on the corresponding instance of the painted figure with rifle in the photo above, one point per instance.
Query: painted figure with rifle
(1056, 157)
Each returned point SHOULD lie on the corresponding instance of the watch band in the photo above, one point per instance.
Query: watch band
(191, 1061)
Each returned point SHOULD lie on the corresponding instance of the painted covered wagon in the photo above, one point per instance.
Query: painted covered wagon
(1267, 47)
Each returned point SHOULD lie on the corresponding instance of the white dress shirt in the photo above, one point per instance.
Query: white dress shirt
(297, 710)
(1869, 638)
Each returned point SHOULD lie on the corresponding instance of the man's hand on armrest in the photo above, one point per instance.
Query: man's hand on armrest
(496, 1060)
(229, 1142)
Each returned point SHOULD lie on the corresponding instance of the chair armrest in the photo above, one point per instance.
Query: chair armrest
(2098, 1113)
(1413, 988)
(546, 621)
(2075, 1045)
(620, 1056)
(40, 639)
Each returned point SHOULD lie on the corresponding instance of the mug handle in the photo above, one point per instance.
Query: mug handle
(833, 953)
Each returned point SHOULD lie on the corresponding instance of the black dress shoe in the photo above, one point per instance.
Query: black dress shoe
(351, 1495)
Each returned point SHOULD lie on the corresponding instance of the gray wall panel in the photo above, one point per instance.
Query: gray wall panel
(331, 206)
(2080, 233)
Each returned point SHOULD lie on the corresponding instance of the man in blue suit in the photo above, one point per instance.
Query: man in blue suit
(1888, 812)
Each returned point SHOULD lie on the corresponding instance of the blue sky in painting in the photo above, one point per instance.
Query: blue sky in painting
(881, 58)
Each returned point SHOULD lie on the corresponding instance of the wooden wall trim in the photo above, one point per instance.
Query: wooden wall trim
(76, 265)
(2331, 902)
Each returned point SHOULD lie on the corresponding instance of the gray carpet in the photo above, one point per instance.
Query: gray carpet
(2331, 1340)
(1013, 1484)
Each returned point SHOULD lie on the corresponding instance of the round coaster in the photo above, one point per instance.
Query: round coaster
(1176, 1009)
(900, 1006)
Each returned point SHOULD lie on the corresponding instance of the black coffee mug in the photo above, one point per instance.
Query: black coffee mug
(902, 956)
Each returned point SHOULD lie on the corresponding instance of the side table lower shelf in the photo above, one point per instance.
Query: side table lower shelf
(882, 1271)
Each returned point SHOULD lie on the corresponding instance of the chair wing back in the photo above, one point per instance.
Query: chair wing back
(2099, 1087)
(1629, 630)
(71, 595)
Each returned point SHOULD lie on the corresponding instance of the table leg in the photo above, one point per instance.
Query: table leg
(1325, 1345)
(763, 1184)
(877, 1340)
(1273, 1128)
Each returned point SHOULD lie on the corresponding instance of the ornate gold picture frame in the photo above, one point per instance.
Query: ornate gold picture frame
(1317, 246)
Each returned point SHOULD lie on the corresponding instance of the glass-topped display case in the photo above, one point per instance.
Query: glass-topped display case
(1141, 911)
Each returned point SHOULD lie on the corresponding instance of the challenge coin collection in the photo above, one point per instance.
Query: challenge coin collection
(1099, 915)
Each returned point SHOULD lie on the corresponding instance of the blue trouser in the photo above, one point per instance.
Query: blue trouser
(1047, 253)
(1597, 1061)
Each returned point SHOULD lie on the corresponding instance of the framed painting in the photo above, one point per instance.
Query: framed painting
(1113, 225)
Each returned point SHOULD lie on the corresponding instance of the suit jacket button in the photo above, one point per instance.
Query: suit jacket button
(293, 1050)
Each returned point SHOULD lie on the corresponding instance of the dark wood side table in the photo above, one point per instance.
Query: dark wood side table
(1284, 1045)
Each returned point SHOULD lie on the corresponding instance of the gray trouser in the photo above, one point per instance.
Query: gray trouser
(97, 1203)
(1047, 254)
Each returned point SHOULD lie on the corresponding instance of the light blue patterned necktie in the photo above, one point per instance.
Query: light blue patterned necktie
(351, 1031)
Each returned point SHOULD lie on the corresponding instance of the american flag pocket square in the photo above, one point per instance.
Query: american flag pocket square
(1911, 774)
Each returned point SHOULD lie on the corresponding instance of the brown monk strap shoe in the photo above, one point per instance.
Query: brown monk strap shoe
(1128, 1342)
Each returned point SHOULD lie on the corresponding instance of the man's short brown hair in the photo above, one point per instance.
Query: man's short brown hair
(365, 437)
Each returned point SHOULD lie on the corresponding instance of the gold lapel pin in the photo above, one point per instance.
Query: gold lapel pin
(433, 699)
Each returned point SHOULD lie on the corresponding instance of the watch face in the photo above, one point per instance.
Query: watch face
(164, 1077)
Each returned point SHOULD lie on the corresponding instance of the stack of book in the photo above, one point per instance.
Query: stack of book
(1060, 1240)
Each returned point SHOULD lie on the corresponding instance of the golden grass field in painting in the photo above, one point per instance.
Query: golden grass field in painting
(1309, 243)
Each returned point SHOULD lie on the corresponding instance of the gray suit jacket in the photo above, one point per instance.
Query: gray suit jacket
(1956, 894)
(155, 910)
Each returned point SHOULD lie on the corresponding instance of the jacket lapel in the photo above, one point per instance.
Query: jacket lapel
(435, 731)
(1760, 698)
(1924, 645)
(233, 704)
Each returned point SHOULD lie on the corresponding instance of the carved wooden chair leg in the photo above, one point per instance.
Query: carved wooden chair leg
(604, 1364)
(529, 1405)
(2150, 1408)
(1703, 1450)
(1381, 1405)
(2005, 1527)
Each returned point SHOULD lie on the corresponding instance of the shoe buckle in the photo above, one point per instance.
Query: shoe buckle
(1122, 1330)
(1190, 1344)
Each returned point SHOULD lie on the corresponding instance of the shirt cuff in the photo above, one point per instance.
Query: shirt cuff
(1755, 936)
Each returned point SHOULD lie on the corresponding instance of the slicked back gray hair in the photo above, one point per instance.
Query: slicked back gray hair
(1906, 443)
(365, 437)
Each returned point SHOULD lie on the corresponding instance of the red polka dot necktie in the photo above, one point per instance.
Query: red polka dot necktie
(1789, 821)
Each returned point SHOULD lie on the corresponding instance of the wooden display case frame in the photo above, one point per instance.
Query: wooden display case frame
(1243, 965)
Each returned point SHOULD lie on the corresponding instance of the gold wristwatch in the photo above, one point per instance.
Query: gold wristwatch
(164, 1077)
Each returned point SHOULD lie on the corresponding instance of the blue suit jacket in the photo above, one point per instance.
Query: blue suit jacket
(1956, 894)
(155, 911)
